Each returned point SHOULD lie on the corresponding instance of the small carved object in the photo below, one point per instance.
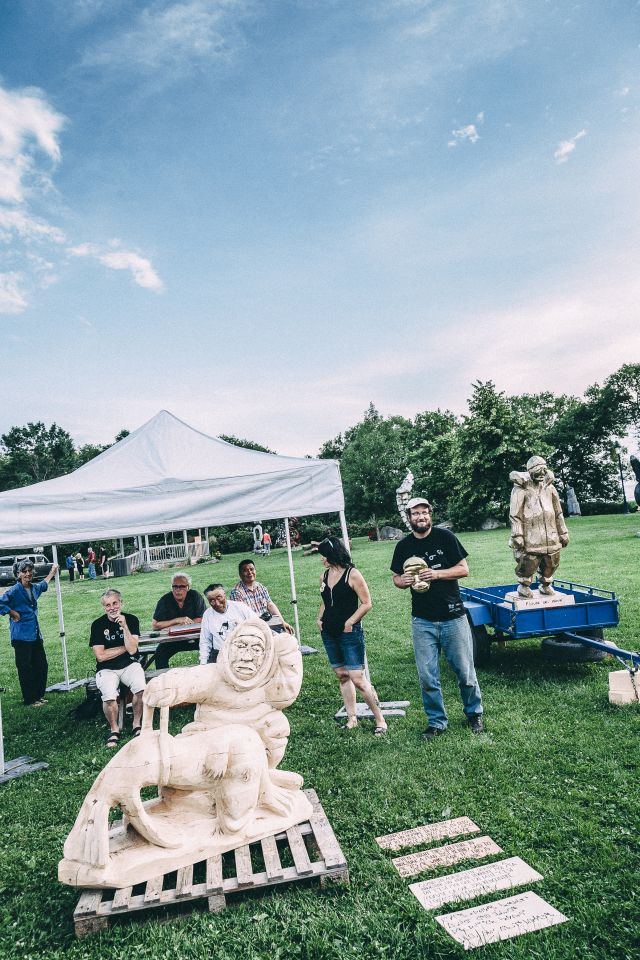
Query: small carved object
(635, 466)
(415, 566)
(218, 783)
(538, 530)
(403, 495)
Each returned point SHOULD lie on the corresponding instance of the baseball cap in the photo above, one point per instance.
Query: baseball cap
(417, 502)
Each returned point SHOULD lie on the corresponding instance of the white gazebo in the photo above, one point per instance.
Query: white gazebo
(167, 476)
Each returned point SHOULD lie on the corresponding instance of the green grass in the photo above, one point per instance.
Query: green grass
(554, 781)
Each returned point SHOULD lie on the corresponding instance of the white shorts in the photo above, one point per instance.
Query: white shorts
(108, 681)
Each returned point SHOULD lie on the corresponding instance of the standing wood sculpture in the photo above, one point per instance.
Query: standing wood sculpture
(218, 783)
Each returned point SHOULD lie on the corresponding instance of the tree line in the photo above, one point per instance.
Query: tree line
(461, 463)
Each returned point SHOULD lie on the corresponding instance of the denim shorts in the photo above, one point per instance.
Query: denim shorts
(345, 649)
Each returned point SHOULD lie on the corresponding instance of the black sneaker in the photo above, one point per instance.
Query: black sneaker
(476, 723)
(432, 732)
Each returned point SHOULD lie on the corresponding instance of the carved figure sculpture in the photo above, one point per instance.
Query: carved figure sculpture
(635, 466)
(538, 530)
(218, 786)
(403, 495)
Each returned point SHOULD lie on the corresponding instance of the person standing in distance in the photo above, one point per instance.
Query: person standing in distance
(439, 621)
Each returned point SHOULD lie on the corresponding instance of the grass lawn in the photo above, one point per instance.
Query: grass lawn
(554, 781)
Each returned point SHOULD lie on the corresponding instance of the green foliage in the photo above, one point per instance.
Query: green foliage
(374, 463)
(491, 441)
(247, 444)
(592, 508)
(36, 453)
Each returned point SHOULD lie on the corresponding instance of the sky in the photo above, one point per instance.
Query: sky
(262, 215)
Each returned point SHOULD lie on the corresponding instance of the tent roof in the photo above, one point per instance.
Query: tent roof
(167, 476)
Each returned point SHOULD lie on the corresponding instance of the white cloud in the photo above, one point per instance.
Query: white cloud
(140, 267)
(27, 227)
(175, 35)
(470, 133)
(28, 125)
(566, 147)
(12, 298)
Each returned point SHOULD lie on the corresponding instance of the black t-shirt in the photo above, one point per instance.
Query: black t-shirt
(105, 633)
(441, 550)
(168, 609)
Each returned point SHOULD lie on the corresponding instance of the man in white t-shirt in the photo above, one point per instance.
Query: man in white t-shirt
(219, 620)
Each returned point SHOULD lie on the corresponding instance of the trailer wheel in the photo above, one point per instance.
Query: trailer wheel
(481, 644)
(567, 650)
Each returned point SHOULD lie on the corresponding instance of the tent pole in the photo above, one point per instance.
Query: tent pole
(63, 644)
(343, 527)
(294, 599)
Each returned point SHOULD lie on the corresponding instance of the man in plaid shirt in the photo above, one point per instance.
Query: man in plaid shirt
(249, 591)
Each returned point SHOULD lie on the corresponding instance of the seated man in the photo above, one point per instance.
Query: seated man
(220, 619)
(114, 638)
(179, 608)
(249, 591)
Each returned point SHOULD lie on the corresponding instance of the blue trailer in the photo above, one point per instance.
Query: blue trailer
(570, 632)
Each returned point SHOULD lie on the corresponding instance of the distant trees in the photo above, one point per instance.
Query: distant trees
(36, 452)
(462, 463)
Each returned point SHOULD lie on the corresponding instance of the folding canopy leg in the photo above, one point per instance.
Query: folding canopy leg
(66, 684)
(294, 599)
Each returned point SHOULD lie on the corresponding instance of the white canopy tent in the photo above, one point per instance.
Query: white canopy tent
(168, 476)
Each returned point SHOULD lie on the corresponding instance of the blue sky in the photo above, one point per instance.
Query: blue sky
(263, 214)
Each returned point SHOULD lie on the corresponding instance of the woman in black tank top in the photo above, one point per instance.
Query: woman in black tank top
(345, 601)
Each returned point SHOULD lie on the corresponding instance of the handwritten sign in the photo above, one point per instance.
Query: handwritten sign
(427, 833)
(500, 920)
(446, 856)
(472, 883)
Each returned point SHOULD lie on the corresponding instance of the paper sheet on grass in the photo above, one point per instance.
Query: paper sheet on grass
(500, 920)
(446, 856)
(468, 884)
(427, 833)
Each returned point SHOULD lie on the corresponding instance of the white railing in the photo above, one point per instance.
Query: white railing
(165, 556)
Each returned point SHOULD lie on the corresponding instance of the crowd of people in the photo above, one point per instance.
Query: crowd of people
(439, 624)
(96, 565)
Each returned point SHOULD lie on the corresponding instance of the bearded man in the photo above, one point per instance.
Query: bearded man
(430, 561)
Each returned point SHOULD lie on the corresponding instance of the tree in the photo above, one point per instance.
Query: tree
(248, 444)
(491, 441)
(431, 459)
(373, 463)
(625, 384)
(36, 453)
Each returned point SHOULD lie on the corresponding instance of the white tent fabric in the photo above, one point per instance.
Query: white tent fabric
(167, 476)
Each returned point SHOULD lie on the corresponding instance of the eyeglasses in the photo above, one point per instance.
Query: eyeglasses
(179, 586)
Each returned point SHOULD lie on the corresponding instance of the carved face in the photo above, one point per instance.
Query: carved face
(538, 472)
(246, 652)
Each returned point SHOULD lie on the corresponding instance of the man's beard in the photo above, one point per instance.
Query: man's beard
(423, 527)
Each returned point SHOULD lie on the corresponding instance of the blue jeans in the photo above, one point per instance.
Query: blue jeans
(453, 637)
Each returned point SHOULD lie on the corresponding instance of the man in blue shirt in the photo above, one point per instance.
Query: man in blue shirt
(21, 603)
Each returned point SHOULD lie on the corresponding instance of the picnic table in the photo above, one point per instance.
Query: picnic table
(151, 640)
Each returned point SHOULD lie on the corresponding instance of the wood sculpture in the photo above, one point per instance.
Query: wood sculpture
(218, 783)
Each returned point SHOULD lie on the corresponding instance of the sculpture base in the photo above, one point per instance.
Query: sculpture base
(134, 860)
(312, 847)
(538, 600)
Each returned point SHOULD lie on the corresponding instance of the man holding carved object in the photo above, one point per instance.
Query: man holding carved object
(430, 561)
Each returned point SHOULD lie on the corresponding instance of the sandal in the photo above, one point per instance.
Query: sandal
(112, 740)
(351, 724)
(136, 731)
(380, 731)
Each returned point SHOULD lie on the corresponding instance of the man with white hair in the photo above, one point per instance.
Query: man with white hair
(114, 641)
(181, 607)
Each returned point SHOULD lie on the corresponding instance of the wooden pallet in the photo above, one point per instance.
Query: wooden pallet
(311, 845)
